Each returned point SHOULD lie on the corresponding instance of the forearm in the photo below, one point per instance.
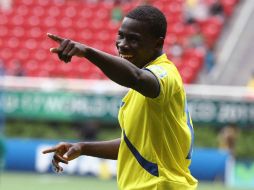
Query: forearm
(117, 69)
(102, 149)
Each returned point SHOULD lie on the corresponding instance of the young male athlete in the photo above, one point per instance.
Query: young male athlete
(154, 151)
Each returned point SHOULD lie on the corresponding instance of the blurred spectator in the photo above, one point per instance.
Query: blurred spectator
(176, 50)
(228, 137)
(117, 12)
(197, 40)
(89, 130)
(216, 9)
(195, 11)
(5, 5)
(209, 59)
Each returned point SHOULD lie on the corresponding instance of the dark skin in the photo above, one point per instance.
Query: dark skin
(136, 47)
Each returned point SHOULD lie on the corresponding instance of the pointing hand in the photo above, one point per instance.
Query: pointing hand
(67, 48)
(64, 152)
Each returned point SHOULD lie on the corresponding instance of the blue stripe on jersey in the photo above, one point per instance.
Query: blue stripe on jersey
(150, 167)
(191, 130)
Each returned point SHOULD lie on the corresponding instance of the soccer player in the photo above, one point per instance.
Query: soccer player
(155, 148)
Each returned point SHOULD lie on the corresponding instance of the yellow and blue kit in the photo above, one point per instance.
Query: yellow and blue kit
(157, 135)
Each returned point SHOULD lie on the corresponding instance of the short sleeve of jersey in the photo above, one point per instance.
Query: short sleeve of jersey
(167, 76)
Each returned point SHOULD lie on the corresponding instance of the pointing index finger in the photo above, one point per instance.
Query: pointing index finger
(55, 37)
(49, 150)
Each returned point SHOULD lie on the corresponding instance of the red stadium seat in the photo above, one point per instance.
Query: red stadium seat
(178, 62)
(44, 3)
(187, 74)
(17, 20)
(6, 53)
(26, 2)
(4, 31)
(22, 10)
(13, 42)
(86, 13)
(70, 12)
(53, 11)
(193, 63)
(38, 11)
(50, 21)
(18, 31)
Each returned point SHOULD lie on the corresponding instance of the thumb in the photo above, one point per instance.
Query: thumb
(53, 50)
(71, 154)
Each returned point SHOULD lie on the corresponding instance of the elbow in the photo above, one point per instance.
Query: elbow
(134, 80)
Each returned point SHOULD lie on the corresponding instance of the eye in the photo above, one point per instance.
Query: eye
(133, 40)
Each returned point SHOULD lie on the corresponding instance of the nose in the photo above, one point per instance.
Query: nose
(122, 44)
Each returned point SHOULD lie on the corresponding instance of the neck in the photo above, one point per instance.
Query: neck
(158, 54)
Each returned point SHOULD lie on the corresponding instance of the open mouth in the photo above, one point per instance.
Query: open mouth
(125, 56)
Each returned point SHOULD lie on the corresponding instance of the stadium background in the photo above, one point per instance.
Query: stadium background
(44, 101)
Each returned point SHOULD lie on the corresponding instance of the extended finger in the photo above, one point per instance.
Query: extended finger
(57, 168)
(53, 149)
(55, 37)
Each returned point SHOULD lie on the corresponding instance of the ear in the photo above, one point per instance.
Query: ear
(159, 43)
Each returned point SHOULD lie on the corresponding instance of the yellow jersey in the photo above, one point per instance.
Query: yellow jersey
(157, 135)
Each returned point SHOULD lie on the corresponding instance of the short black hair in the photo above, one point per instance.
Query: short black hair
(153, 17)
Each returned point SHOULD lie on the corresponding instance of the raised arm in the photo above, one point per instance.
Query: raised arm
(64, 152)
(117, 69)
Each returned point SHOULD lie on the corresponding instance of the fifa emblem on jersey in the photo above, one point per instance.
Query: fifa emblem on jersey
(158, 70)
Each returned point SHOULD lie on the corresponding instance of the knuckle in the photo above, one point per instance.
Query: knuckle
(71, 43)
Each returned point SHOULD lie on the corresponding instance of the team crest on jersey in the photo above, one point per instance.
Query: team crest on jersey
(158, 70)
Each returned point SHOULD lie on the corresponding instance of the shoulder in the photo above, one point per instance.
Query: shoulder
(164, 70)
(159, 70)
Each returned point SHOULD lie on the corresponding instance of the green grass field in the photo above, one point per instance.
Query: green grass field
(32, 181)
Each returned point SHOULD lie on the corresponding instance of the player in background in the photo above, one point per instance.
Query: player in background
(154, 151)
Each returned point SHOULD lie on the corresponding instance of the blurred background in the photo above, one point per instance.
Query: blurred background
(43, 101)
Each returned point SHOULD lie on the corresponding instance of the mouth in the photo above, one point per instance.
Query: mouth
(125, 56)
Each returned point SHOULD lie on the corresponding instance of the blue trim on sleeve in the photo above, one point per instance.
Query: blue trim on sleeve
(159, 90)
(150, 167)
(191, 130)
